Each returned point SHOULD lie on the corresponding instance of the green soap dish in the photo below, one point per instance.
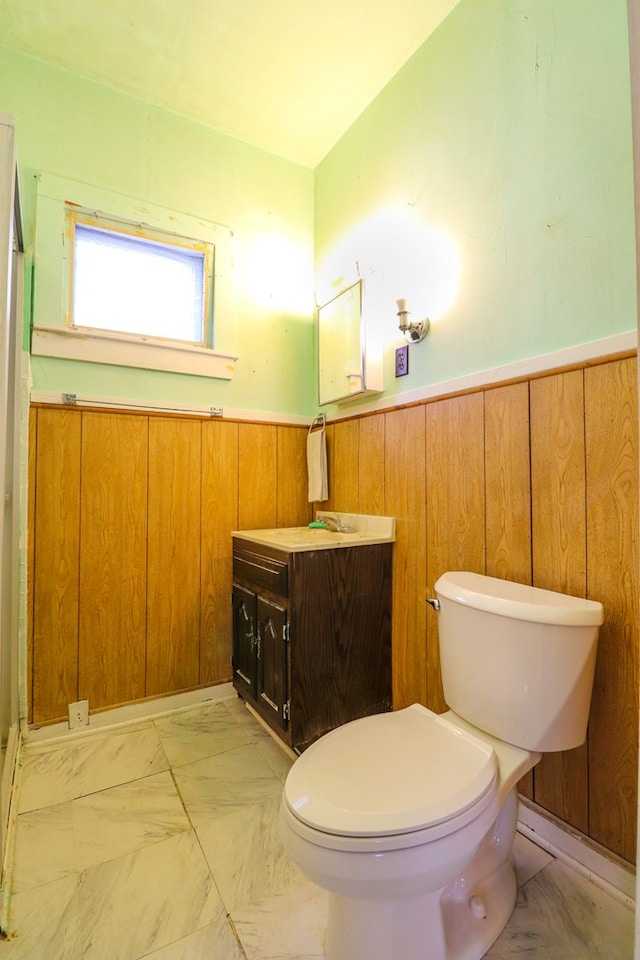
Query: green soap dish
(318, 525)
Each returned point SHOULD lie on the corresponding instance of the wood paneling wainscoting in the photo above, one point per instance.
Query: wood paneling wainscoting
(130, 547)
(537, 482)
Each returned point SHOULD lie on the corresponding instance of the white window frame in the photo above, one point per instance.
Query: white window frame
(60, 204)
(114, 228)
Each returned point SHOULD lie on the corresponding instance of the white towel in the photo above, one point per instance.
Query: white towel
(317, 466)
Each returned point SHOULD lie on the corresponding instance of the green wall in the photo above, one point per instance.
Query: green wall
(490, 183)
(88, 133)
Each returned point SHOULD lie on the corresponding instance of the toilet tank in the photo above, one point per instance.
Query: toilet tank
(517, 661)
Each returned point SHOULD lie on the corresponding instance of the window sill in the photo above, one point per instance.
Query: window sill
(100, 346)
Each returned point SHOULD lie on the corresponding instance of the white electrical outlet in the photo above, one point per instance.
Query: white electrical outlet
(79, 714)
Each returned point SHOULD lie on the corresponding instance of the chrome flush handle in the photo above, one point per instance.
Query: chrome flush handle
(433, 603)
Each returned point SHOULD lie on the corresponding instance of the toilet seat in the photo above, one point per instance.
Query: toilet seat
(410, 773)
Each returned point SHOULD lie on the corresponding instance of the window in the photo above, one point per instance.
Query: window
(140, 284)
(118, 281)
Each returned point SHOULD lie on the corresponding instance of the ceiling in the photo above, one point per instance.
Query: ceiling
(289, 76)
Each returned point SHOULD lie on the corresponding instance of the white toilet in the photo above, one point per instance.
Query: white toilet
(408, 818)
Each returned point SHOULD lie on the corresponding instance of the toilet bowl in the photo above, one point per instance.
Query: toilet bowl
(403, 818)
(408, 818)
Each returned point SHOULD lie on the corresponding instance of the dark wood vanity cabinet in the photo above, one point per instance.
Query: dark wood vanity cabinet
(312, 635)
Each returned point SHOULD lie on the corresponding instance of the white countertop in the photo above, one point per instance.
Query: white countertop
(360, 530)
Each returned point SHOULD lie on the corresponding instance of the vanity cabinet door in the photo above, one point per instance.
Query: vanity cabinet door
(272, 661)
(244, 641)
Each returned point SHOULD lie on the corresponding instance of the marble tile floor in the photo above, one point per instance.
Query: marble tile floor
(158, 840)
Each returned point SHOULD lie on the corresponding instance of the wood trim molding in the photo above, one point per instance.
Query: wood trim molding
(616, 347)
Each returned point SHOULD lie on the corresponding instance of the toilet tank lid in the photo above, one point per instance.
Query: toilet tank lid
(518, 600)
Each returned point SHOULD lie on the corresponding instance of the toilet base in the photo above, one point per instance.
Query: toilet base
(410, 928)
(458, 922)
(471, 932)
(434, 926)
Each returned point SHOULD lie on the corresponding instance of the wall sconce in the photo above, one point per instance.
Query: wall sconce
(414, 331)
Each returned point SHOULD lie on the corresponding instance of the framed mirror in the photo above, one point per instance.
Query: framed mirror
(341, 353)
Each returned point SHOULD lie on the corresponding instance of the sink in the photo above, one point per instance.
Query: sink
(362, 529)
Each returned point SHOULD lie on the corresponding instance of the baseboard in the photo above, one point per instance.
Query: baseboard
(144, 710)
(10, 792)
(606, 870)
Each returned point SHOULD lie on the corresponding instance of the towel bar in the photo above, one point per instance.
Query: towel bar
(318, 421)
